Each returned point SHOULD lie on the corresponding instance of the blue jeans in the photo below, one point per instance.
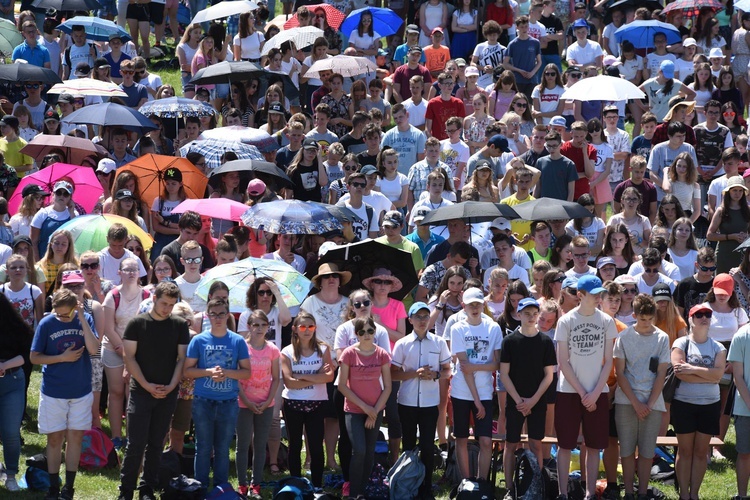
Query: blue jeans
(215, 422)
(363, 450)
(12, 392)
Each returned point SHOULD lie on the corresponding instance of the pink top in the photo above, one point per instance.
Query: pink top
(364, 375)
(198, 59)
(258, 386)
(502, 103)
(390, 314)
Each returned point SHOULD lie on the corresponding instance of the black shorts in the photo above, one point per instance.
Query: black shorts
(688, 418)
(612, 424)
(535, 421)
(138, 11)
(462, 410)
(156, 11)
(330, 411)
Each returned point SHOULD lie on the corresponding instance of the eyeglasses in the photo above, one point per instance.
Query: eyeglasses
(360, 305)
(359, 184)
(193, 260)
(714, 113)
(266, 293)
(651, 270)
(629, 291)
(306, 328)
(17, 268)
(630, 200)
(63, 194)
(580, 255)
(66, 316)
(369, 331)
(32, 85)
(550, 73)
(451, 131)
(550, 145)
(217, 315)
(703, 314)
(259, 325)
(129, 270)
(93, 266)
(161, 270)
(350, 168)
(706, 268)
(521, 104)
(381, 282)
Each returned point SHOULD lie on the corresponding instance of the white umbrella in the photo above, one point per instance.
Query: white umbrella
(224, 9)
(743, 5)
(602, 88)
(302, 37)
(345, 65)
(87, 87)
(279, 20)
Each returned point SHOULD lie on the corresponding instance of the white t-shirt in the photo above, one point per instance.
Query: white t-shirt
(187, 291)
(108, 265)
(644, 287)
(392, 188)
(489, 55)
(153, 82)
(327, 316)
(583, 56)
(273, 323)
(682, 69)
(479, 343)
(668, 269)
(416, 112)
(514, 273)
(309, 62)
(603, 153)
(548, 100)
(249, 46)
(609, 33)
(306, 365)
(572, 273)
(653, 62)
(452, 155)
(629, 67)
(23, 300)
(685, 264)
(725, 325)
(299, 263)
(364, 223)
(49, 213)
(376, 200)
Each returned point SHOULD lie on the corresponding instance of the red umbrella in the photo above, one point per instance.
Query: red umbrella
(691, 8)
(75, 148)
(334, 17)
(87, 186)
(217, 208)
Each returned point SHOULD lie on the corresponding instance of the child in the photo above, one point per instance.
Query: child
(375, 101)
(741, 144)
(527, 363)
(320, 133)
(338, 188)
(333, 166)
(604, 156)
(25, 123)
(642, 144)
(641, 357)
(163, 222)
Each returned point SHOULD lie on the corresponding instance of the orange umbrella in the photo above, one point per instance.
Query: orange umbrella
(150, 170)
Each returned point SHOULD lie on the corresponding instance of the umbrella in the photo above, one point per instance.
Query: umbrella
(224, 9)
(150, 169)
(217, 208)
(362, 258)
(90, 231)
(550, 209)
(75, 148)
(279, 21)
(69, 5)
(343, 64)
(469, 212)
(25, 72)
(96, 28)
(268, 78)
(247, 167)
(691, 8)
(291, 217)
(302, 37)
(384, 21)
(743, 5)
(743, 246)
(213, 149)
(10, 37)
(641, 33)
(603, 88)
(109, 114)
(177, 107)
(87, 187)
(253, 136)
(87, 87)
(238, 276)
(225, 72)
(334, 17)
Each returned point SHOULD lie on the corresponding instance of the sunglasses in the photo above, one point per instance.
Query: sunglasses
(651, 270)
(193, 260)
(306, 328)
(360, 305)
(358, 185)
(329, 276)
(550, 73)
(266, 293)
(575, 75)
(127, 72)
(381, 282)
(63, 194)
(703, 314)
(93, 266)
(559, 280)
(368, 331)
(629, 290)
(66, 316)
(521, 104)
(706, 268)
(350, 168)
(32, 85)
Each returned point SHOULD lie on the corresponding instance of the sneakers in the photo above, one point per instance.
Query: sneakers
(66, 493)
(255, 491)
(242, 490)
(611, 493)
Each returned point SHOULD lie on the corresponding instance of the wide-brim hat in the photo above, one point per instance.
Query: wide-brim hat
(690, 105)
(329, 268)
(383, 274)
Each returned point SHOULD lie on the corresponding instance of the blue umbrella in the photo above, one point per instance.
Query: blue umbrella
(641, 33)
(96, 28)
(109, 114)
(384, 21)
(291, 217)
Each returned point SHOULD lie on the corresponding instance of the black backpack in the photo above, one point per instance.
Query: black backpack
(452, 472)
(474, 489)
(528, 483)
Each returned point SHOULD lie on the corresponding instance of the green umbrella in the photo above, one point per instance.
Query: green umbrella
(10, 37)
(90, 231)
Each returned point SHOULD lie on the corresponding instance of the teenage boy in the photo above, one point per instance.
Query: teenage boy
(619, 140)
(663, 155)
(137, 93)
(527, 363)
(584, 354)
(437, 54)
(503, 245)
(455, 152)
(405, 138)
(642, 144)
(190, 224)
(401, 54)
(434, 199)
(29, 50)
(189, 281)
(372, 134)
(581, 253)
(63, 343)
(652, 274)
(489, 55)
(475, 343)
(525, 177)
(392, 225)
(739, 356)
(365, 224)
(421, 235)
(730, 158)
(320, 132)
(114, 253)
(540, 236)
(551, 43)
(354, 141)
(295, 134)
(692, 290)
(524, 57)
(77, 52)
(496, 152)
(419, 172)
(155, 345)
(442, 107)
(119, 153)
(416, 106)
(419, 361)
(537, 149)
(584, 52)
(558, 173)
(583, 154)
(404, 73)
(648, 206)
(11, 145)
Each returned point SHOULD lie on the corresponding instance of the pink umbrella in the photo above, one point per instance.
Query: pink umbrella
(217, 208)
(87, 186)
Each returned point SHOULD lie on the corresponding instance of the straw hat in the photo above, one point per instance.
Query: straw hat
(383, 274)
(329, 268)
(733, 182)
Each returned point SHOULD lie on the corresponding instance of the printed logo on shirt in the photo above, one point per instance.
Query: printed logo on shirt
(586, 339)
(218, 355)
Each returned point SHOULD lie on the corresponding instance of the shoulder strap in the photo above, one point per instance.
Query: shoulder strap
(370, 212)
(116, 297)
(67, 57)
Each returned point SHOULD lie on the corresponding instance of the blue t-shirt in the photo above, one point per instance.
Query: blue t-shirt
(641, 146)
(136, 93)
(401, 54)
(226, 352)
(522, 55)
(37, 55)
(53, 337)
(114, 66)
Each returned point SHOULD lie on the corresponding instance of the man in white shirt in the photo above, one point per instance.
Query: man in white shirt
(584, 52)
(114, 253)
(503, 245)
(366, 224)
(416, 106)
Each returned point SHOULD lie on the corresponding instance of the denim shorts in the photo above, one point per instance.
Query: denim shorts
(108, 8)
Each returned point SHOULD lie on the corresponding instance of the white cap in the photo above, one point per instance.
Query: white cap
(325, 246)
(106, 165)
(689, 42)
(501, 223)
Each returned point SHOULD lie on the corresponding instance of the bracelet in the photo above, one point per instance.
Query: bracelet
(440, 307)
(166, 223)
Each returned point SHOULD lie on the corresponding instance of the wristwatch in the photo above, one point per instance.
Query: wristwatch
(437, 377)
(439, 307)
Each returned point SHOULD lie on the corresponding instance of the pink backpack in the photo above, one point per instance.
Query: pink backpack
(97, 451)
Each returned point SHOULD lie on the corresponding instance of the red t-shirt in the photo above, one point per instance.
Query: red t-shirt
(502, 15)
(576, 156)
(364, 375)
(439, 110)
(403, 74)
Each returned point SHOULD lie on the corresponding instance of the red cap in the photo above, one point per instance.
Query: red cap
(699, 308)
(723, 284)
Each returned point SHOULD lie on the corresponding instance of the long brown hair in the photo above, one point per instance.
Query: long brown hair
(296, 347)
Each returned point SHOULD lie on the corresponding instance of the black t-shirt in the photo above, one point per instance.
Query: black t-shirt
(690, 292)
(527, 357)
(367, 159)
(508, 325)
(530, 157)
(350, 142)
(306, 183)
(284, 157)
(157, 347)
(553, 25)
(173, 251)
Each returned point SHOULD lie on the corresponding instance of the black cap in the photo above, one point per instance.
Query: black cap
(276, 107)
(66, 98)
(51, 115)
(173, 174)
(310, 143)
(482, 164)
(20, 239)
(33, 189)
(124, 193)
(10, 121)
(661, 291)
(101, 63)
(82, 69)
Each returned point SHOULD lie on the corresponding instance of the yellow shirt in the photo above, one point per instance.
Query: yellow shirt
(520, 227)
(13, 157)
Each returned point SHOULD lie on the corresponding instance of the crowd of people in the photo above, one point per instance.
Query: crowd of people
(605, 331)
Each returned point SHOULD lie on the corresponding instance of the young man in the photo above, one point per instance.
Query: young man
(354, 142)
(324, 90)
(584, 354)
(496, 152)
(377, 200)
(217, 359)
(489, 55)
(401, 54)
(527, 362)
(475, 342)
(114, 253)
(524, 57)
(503, 245)
(454, 152)
(579, 12)
(642, 144)
(295, 134)
(137, 93)
(79, 51)
(537, 149)
(155, 345)
(64, 342)
(190, 224)
(581, 253)
(320, 132)
(29, 50)
(648, 206)
(419, 172)
(583, 154)
(421, 235)
(692, 290)
(667, 268)
(730, 158)
(191, 279)
(662, 155)
(372, 134)
(525, 177)
(403, 74)
(366, 223)
(65, 104)
(416, 106)
(405, 138)
(419, 361)
(11, 145)
(584, 52)
(558, 173)
(619, 140)
(437, 54)
(540, 235)
(442, 107)
(119, 153)
(551, 43)
(651, 274)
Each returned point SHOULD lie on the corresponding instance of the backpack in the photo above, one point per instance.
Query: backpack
(97, 451)
(224, 491)
(527, 481)
(551, 489)
(406, 475)
(452, 472)
(170, 466)
(37, 479)
(377, 486)
(474, 489)
(145, 294)
(294, 488)
(183, 488)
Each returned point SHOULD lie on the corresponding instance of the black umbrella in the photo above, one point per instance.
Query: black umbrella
(624, 5)
(743, 246)
(471, 212)
(362, 258)
(551, 209)
(25, 72)
(229, 71)
(67, 5)
(248, 167)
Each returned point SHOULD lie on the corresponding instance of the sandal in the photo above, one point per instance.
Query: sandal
(275, 469)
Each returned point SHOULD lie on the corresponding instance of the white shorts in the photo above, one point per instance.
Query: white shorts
(57, 415)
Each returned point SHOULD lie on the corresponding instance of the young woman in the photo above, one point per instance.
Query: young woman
(617, 244)
(661, 88)
(470, 90)
(482, 186)
(96, 286)
(134, 244)
(476, 124)
(432, 14)
(562, 253)
(698, 362)
(510, 319)
(704, 88)
(26, 298)
(248, 43)
(340, 122)
(163, 145)
(546, 95)
(741, 55)
(60, 250)
(552, 286)
(125, 179)
(709, 37)
(125, 205)
(668, 212)
(319, 51)
(307, 367)
(726, 89)
(590, 227)
(205, 56)
(681, 181)
(256, 401)
(729, 225)
(162, 268)
(392, 183)
(21, 245)
(569, 299)
(521, 105)
(338, 188)
(276, 119)
(274, 93)
(502, 95)
(682, 250)
(464, 25)
(495, 299)
(732, 118)
(629, 290)
(51, 123)
(33, 200)
(600, 187)
(638, 226)
(302, 170)
(241, 103)
(47, 220)
(163, 222)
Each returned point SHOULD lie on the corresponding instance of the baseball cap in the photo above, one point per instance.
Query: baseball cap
(460, 61)
(437, 29)
(501, 223)
(173, 174)
(471, 71)
(72, 277)
(415, 48)
(527, 302)
(275, 107)
(472, 296)
(101, 63)
(66, 98)
(626, 279)
(106, 165)
(590, 284)
(558, 121)
(64, 185)
(382, 52)
(412, 28)
(256, 187)
(661, 292)
(609, 108)
(124, 193)
(723, 284)
(416, 307)
(368, 170)
(609, 60)
(83, 69)
(570, 282)
(689, 42)
(421, 213)
(310, 144)
(113, 36)
(580, 23)
(500, 142)
(51, 115)
(33, 189)
(605, 261)
(700, 308)
(21, 238)
(667, 68)
(715, 52)
(393, 218)
(482, 164)
(9, 120)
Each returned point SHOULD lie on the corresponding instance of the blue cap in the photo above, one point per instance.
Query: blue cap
(416, 307)
(570, 282)
(590, 284)
(500, 142)
(667, 68)
(580, 23)
(527, 302)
